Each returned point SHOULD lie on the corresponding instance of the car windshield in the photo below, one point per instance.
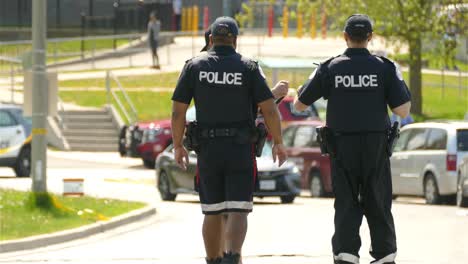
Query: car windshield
(462, 140)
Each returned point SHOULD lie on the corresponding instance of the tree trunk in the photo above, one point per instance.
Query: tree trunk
(415, 83)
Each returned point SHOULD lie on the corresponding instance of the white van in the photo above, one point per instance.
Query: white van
(425, 158)
(15, 140)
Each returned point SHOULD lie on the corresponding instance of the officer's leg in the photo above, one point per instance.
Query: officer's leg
(378, 200)
(240, 181)
(348, 214)
(211, 190)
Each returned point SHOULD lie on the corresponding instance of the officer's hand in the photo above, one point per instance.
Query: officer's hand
(279, 152)
(181, 157)
(280, 89)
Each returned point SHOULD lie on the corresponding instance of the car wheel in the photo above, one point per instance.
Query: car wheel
(148, 164)
(431, 191)
(287, 199)
(23, 163)
(316, 185)
(164, 187)
(462, 200)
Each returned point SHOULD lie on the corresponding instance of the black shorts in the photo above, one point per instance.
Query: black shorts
(226, 175)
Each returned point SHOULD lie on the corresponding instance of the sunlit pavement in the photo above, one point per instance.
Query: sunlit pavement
(278, 234)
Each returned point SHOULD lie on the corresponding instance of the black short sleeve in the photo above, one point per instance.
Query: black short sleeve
(183, 92)
(313, 88)
(397, 91)
(261, 91)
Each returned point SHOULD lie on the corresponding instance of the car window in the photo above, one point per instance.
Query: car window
(6, 119)
(401, 142)
(462, 140)
(417, 139)
(437, 139)
(288, 136)
(305, 137)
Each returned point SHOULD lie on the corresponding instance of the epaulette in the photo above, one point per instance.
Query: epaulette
(385, 59)
(327, 61)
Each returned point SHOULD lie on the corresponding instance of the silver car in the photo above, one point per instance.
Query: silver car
(425, 158)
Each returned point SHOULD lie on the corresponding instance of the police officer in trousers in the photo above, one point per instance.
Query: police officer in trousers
(227, 88)
(358, 87)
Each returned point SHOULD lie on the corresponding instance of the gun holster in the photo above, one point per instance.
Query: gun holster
(393, 135)
(260, 136)
(325, 139)
(192, 137)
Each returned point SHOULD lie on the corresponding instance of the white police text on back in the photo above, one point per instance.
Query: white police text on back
(233, 78)
(356, 81)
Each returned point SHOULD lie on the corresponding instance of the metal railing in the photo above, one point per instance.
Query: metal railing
(131, 115)
(10, 69)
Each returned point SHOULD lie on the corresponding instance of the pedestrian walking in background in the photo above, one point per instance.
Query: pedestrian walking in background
(154, 27)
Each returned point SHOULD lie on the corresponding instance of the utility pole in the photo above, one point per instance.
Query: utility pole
(40, 92)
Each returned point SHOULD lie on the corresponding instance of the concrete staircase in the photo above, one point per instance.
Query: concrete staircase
(90, 130)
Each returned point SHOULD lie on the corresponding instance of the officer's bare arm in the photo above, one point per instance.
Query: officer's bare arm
(272, 119)
(178, 122)
(402, 110)
(298, 105)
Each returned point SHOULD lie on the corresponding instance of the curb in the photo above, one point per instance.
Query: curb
(76, 233)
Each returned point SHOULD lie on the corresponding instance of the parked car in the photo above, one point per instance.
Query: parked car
(302, 147)
(425, 158)
(274, 181)
(145, 140)
(290, 114)
(462, 187)
(15, 140)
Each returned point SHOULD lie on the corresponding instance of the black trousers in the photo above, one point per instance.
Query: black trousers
(362, 185)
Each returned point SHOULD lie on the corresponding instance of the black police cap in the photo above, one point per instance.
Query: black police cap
(358, 25)
(207, 40)
(224, 26)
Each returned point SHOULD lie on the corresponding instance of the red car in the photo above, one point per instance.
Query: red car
(148, 140)
(302, 147)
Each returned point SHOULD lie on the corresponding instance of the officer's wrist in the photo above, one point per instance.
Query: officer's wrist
(178, 146)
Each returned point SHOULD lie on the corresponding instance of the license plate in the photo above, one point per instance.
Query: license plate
(267, 185)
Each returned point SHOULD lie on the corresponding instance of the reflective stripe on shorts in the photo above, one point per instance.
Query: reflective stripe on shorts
(347, 257)
(226, 206)
(387, 259)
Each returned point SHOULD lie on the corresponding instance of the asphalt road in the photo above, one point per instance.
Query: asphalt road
(298, 233)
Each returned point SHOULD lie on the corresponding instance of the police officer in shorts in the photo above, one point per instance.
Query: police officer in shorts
(358, 87)
(227, 88)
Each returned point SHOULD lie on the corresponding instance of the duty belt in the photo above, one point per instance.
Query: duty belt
(220, 132)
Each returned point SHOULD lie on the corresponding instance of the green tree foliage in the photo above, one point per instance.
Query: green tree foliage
(409, 21)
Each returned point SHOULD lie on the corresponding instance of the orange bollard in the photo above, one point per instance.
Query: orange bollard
(313, 24)
(195, 16)
(324, 23)
(300, 25)
(285, 21)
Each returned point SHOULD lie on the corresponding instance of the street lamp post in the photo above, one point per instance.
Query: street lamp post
(39, 102)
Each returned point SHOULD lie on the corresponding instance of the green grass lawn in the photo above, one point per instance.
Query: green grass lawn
(18, 220)
(150, 105)
(438, 102)
(62, 48)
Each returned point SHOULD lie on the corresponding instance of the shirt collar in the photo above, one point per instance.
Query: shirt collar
(222, 50)
(357, 51)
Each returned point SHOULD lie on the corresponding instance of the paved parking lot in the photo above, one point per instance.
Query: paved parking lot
(297, 233)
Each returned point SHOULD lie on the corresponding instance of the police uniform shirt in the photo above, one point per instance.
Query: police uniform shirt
(358, 86)
(224, 85)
